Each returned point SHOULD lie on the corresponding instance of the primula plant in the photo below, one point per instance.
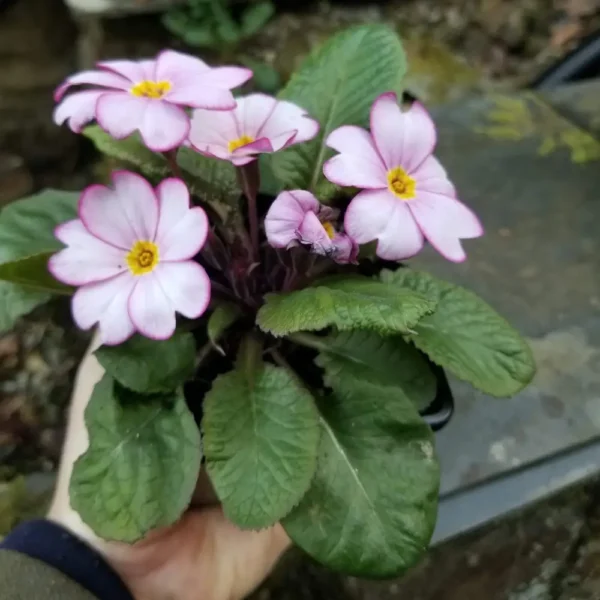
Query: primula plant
(249, 277)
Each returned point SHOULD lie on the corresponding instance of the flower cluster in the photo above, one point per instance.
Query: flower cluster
(138, 253)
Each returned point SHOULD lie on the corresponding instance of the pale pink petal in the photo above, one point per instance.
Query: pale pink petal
(312, 232)
(102, 213)
(131, 70)
(187, 285)
(286, 118)
(279, 142)
(196, 94)
(120, 114)
(356, 141)
(182, 230)
(239, 161)
(138, 202)
(404, 139)
(77, 109)
(178, 67)
(353, 170)
(164, 126)
(252, 111)
(105, 303)
(87, 259)
(346, 250)
(150, 308)
(432, 177)
(212, 131)
(226, 77)
(101, 78)
(256, 147)
(379, 215)
(445, 221)
(285, 216)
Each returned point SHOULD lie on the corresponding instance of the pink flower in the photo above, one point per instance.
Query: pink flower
(297, 217)
(130, 251)
(258, 124)
(407, 195)
(148, 96)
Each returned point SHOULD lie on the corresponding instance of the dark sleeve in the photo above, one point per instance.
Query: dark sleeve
(42, 561)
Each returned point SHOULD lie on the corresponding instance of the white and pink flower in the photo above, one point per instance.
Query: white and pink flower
(148, 96)
(406, 195)
(130, 255)
(258, 124)
(296, 217)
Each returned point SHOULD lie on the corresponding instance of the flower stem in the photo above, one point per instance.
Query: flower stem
(171, 157)
(249, 178)
(308, 340)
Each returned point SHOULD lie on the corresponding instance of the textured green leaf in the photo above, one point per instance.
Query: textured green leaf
(467, 337)
(32, 273)
(371, 507)
(337, 84)
(261, 431)
(26, 229)
(346, 303)
(224, 315)
(150, 366)
(142, 464)
(16, 301)
(385, 361)
(130, 150)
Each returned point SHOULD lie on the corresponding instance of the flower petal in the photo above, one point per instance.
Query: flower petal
(404, 139)
(138, 202)
(256, 147)
(226, 77)
(77, 109)
(101, 78)
(252, 111)
(177, 66)
(164, 126)
(132, 70)
(102, 213)
(350, 139)
(312, 232)
(187, 285)
(379, 215)
(105, 303)
(346, 250)
(87, 259)
(196, 94)
(182, 230)
(432, 177)
(445, 221)
(353, 171)
(285, 216)
(287, 118)
(150, 309)
(212, 131)
(120, 114)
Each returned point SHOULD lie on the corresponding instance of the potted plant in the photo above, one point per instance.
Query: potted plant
(253, 294)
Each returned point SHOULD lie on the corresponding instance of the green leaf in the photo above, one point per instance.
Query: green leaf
(27, 229)
(130, 150)
(337, 84)
(346, 303)
(384, 361)
(466, 336)
(32, 273)
(150, 366)
(266, 78)
(256, 16)
(260, 431)
(142, 464)
(16, 301)
(224, 315)
(371, 508)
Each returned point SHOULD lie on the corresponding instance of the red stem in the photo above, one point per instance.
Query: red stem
(249, 179)
(171, 157)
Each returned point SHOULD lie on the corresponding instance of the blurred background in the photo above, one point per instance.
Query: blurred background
(514, 87)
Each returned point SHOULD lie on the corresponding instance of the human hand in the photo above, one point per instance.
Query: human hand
(202, 557)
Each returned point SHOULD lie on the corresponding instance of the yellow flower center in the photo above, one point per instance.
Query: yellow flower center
(241, 141)
(151, 89)
(329, 229)
(142, 258)
(401, 183)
